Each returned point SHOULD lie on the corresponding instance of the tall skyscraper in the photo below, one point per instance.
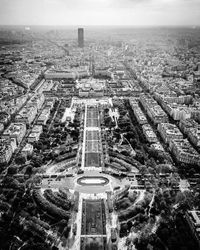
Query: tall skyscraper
(80, 37)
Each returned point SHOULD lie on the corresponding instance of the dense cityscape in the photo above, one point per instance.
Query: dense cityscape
(99, 138)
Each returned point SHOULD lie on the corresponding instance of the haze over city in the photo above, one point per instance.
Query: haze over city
(100, 12)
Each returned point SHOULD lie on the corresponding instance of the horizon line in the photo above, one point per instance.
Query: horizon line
(104, 25)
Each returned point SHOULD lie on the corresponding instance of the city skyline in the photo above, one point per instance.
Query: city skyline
(99, 137)
(100, 12)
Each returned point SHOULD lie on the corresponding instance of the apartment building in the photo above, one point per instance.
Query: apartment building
(193, 220)
(27, 150)
(140, 117)
(149, 133)
(147, 101)
(5, 150)
(37, 100)
(157, 147)
(157, 115)
(177, 111)
(194, 136)
(186, 125)
(35, 133)
(184, 152)
(44, 116)
(133, 102)
(15, 130)
(192, 129)
(27, 114)
(169, 132)
(154, 111)
(183, 99)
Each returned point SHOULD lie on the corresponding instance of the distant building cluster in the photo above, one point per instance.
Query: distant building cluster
(127, 105)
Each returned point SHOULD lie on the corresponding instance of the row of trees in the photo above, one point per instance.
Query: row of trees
(126, 201)
(19, 224)
(49, 207)
(128, 159)
(57, 199)
(134, 209)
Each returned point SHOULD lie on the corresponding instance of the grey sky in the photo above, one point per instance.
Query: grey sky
(100, 12)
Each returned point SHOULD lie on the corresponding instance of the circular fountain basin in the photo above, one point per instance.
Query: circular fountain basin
(92, 181)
